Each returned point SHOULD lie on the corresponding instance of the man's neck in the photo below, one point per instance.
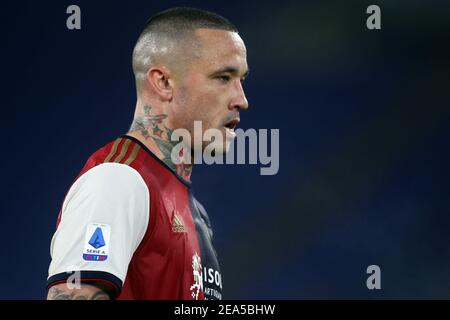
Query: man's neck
(149, 127)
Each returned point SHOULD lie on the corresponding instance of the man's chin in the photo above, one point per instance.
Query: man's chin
(216, 149)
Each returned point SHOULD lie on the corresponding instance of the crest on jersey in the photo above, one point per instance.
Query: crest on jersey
(198, 278)
(96, 244)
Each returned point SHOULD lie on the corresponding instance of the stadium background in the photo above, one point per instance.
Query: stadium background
(364, 155)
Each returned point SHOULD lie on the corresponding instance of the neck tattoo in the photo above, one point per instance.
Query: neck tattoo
(152, 126)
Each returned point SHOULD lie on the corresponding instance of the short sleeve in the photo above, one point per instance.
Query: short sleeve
(104, 218)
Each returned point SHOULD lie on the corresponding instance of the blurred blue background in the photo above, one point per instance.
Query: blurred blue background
(364, 119)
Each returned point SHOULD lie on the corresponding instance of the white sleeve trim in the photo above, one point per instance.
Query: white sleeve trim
(110, 194)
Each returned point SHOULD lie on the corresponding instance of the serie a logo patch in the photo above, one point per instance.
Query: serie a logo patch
(96, 243)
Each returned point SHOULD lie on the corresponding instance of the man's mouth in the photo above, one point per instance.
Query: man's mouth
(232, 124)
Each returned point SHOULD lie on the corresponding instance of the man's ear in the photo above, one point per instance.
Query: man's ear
(157, 79)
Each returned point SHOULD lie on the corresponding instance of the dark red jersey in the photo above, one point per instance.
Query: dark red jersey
(130, 221)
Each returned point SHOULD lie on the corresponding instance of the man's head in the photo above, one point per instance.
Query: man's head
(192, 63)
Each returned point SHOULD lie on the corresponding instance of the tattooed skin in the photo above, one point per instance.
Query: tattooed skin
(85, 293)
(147, 121)
(151, 126)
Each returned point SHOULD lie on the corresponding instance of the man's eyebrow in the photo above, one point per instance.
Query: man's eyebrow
(230, 69)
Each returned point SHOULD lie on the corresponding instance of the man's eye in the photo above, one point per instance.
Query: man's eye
(224, 78)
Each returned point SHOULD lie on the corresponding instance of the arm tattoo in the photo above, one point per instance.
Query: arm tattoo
(58, 294)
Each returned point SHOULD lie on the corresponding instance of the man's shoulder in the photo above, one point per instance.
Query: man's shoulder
(108, 177)
(115, 161)
(120, 150)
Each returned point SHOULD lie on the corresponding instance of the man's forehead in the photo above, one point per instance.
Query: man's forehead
(220, 40)
(221, 47)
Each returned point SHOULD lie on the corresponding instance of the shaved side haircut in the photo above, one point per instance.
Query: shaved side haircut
(169, 38)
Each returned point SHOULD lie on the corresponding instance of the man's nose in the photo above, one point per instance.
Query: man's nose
(239, 101)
